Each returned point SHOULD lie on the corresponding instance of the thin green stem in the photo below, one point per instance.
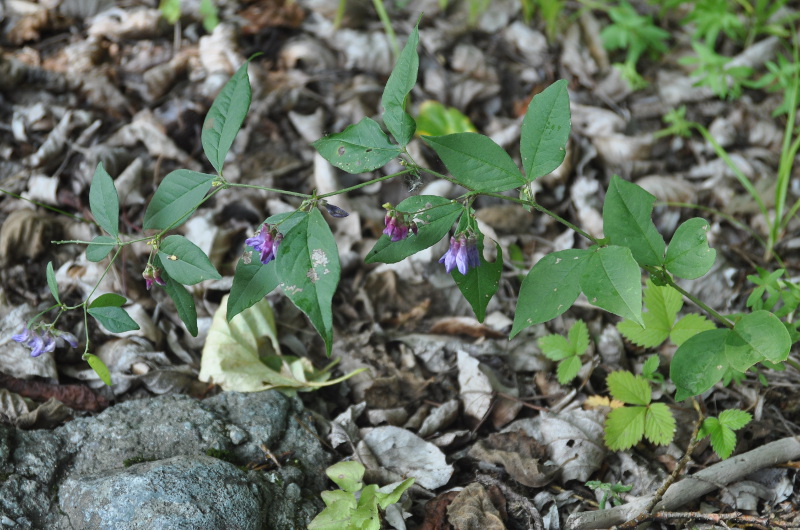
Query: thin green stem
(264, 188)
(367, 183)
(387, 25)
(699, 303)
(440, 176)
(793, 364)
(45, 206)
(108, 268)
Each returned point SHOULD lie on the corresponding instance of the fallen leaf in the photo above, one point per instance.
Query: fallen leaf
(521, 456)
(475, 389)
(472, 508)
(407, 454)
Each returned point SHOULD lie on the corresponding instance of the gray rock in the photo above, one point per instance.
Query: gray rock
(75, 476)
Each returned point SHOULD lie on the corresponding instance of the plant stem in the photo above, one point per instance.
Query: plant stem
(387, 25)
(367, 183)
(699, 303)
(264, 188)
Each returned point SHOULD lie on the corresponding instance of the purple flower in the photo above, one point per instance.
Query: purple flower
(266, 242)
(396, 228)
(153, 275)
(463, 254)
(71, 339)
(38, 343)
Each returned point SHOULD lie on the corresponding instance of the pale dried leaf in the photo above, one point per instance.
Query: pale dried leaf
(440, 418)
(472, 509)
(343, 427)
(475, 389)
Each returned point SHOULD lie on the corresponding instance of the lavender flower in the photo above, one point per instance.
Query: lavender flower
(266, 242)
(39, 343)
(153, 275)
(396, 226)
(463, 254)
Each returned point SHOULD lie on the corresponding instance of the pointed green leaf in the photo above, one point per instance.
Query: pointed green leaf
(308, 267)
(627, 221)
(650, 366)
(104, 201)
(477, 162)
(184, 304)
(400, 83)
(391, 493)
(723, 439)
(108, 300)
(689, 255)
(251, 283)
(436, 217)
(359, 148)
(550, 288)
(659, 424)
(225, 117)
(699, 363)
(579, 337)
(689, 326)
(99, 368)
(568, 369)
(176, 198)
(629, 388)
(756, 337)
(52, 284)
(611, 280)
(100, 247)
(625, 427)
(545, 131)
(185, 262)
(480, 284)
(555, 347)
(734, 418)
(115, 319)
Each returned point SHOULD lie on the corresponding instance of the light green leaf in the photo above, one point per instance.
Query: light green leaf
(360, 148)
(347, 475)
(689, 326)
(251, 283)
(104, 201)
(340, 509)
(550, 288)
(308, 267)
(170, 10)
(52, 284)
(579, 337)
(176, 198)
(434, 119)
(225, 117)
(648, 336)
(755, 337)
(480, 284)
(401, 81)
(689, 255)
(663, 302)
(629, 388)
(659, 424)
(184, 304)
(100, 247)
(555, 347)
(476, 162)
(185, 262)
(115, 319)
(108, 300)
(568, 369)
(99, 368)
(391, 493)
(611, 280)
(723, 439)
(699, 363)
(627, 221)
(545, 131)
(734, 418)
(434, 222)
(625, 427)
(650, 366)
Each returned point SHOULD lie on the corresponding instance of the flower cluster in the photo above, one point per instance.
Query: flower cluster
(396, 226)
(266, 242)
(462, 254)
(43, 341)
(153, 275)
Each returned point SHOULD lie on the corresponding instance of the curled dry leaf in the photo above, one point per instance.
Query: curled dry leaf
(475, 388)
(472, 508)
(465, 326)
(343, 427)
(25, 413)
(25, 235)
(119, 24)
(521, 456)
(440, 418)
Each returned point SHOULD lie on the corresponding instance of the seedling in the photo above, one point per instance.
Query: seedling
(567, 351)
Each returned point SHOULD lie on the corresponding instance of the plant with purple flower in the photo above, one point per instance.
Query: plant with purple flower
(397, 227)
(43, 341)
(153, 275)
(463, 253)
(266, 241)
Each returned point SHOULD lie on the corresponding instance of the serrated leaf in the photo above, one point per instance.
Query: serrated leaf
(339, 512)
(184, 304)
(649, 336)
(689, 326)
(176, 199)
(550, 288)
(545, 131)
(689, 255)
(629, 388)
(650, 365)
(360, 148)
(100, 247)
(555, 347)
(185, 262)
(699, 363)
(251, 283)
(755, 337)
(579, 337)
(568, 369)
(659, 424)
(480, 284)
(611, 280)
(625, 427)
(401, 81)
(99, 368)
(734, 418)
(663, 302)
(115, 319)
(433, 224)
(308, 267)
(225, 117)
(723, 439)
(476, 162)
(347, 475)
(627, 221)
(104, 201)
(52, 284)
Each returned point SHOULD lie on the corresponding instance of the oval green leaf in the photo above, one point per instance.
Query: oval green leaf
(184, 304)
(104, 201)
(52, 284)
(756, 337)
(225, 117)
(176, 198)
(359, 148)
(480, 284)
(100, 247)
(434, 119)
(401, 81)
(545, 131)
(612, 281)
(627, 221)
(251, 282)
(115, 319)
(185, 262)
(108, 300)
(699, 363)
(689, 255)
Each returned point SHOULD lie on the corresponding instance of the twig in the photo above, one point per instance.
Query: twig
(737, 518)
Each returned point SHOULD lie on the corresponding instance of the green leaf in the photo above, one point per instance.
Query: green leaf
(648, 336)
(391, 493)
(108, 300)
(699, 363)
(104, 201)
(400, 83)
(734, 418)
(627, 221)
(723, 439)
(659, 424)
(663, 302)
(545, 131)
(185, 262)
(347, 475)
(308, 266)
(184, 303)
(170, 10)
(555, 347)
(568, 369)
(755, 337)
(433, 224)
(100, 247)
(689, 255)
(625, 427)
(52, 284)
(579, 337)
(225, 117)
(115, 319)
(360, 148)
(480, 284)
(99, 368)
(629, 388)
(176, 198)
(434, 119)
(612, 281)
(476, 162)
(339, 512)
(251, 283)
(650, 366)
(550, 288)
(689, 326)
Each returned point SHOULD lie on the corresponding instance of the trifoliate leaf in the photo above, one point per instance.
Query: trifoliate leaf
(579, 337)
(555, 347)
(734, 418)
(625, 427)
(568, 369)
(649, 336)
(689, 326)
(629, 388)
(723, 439)
(659, 424)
